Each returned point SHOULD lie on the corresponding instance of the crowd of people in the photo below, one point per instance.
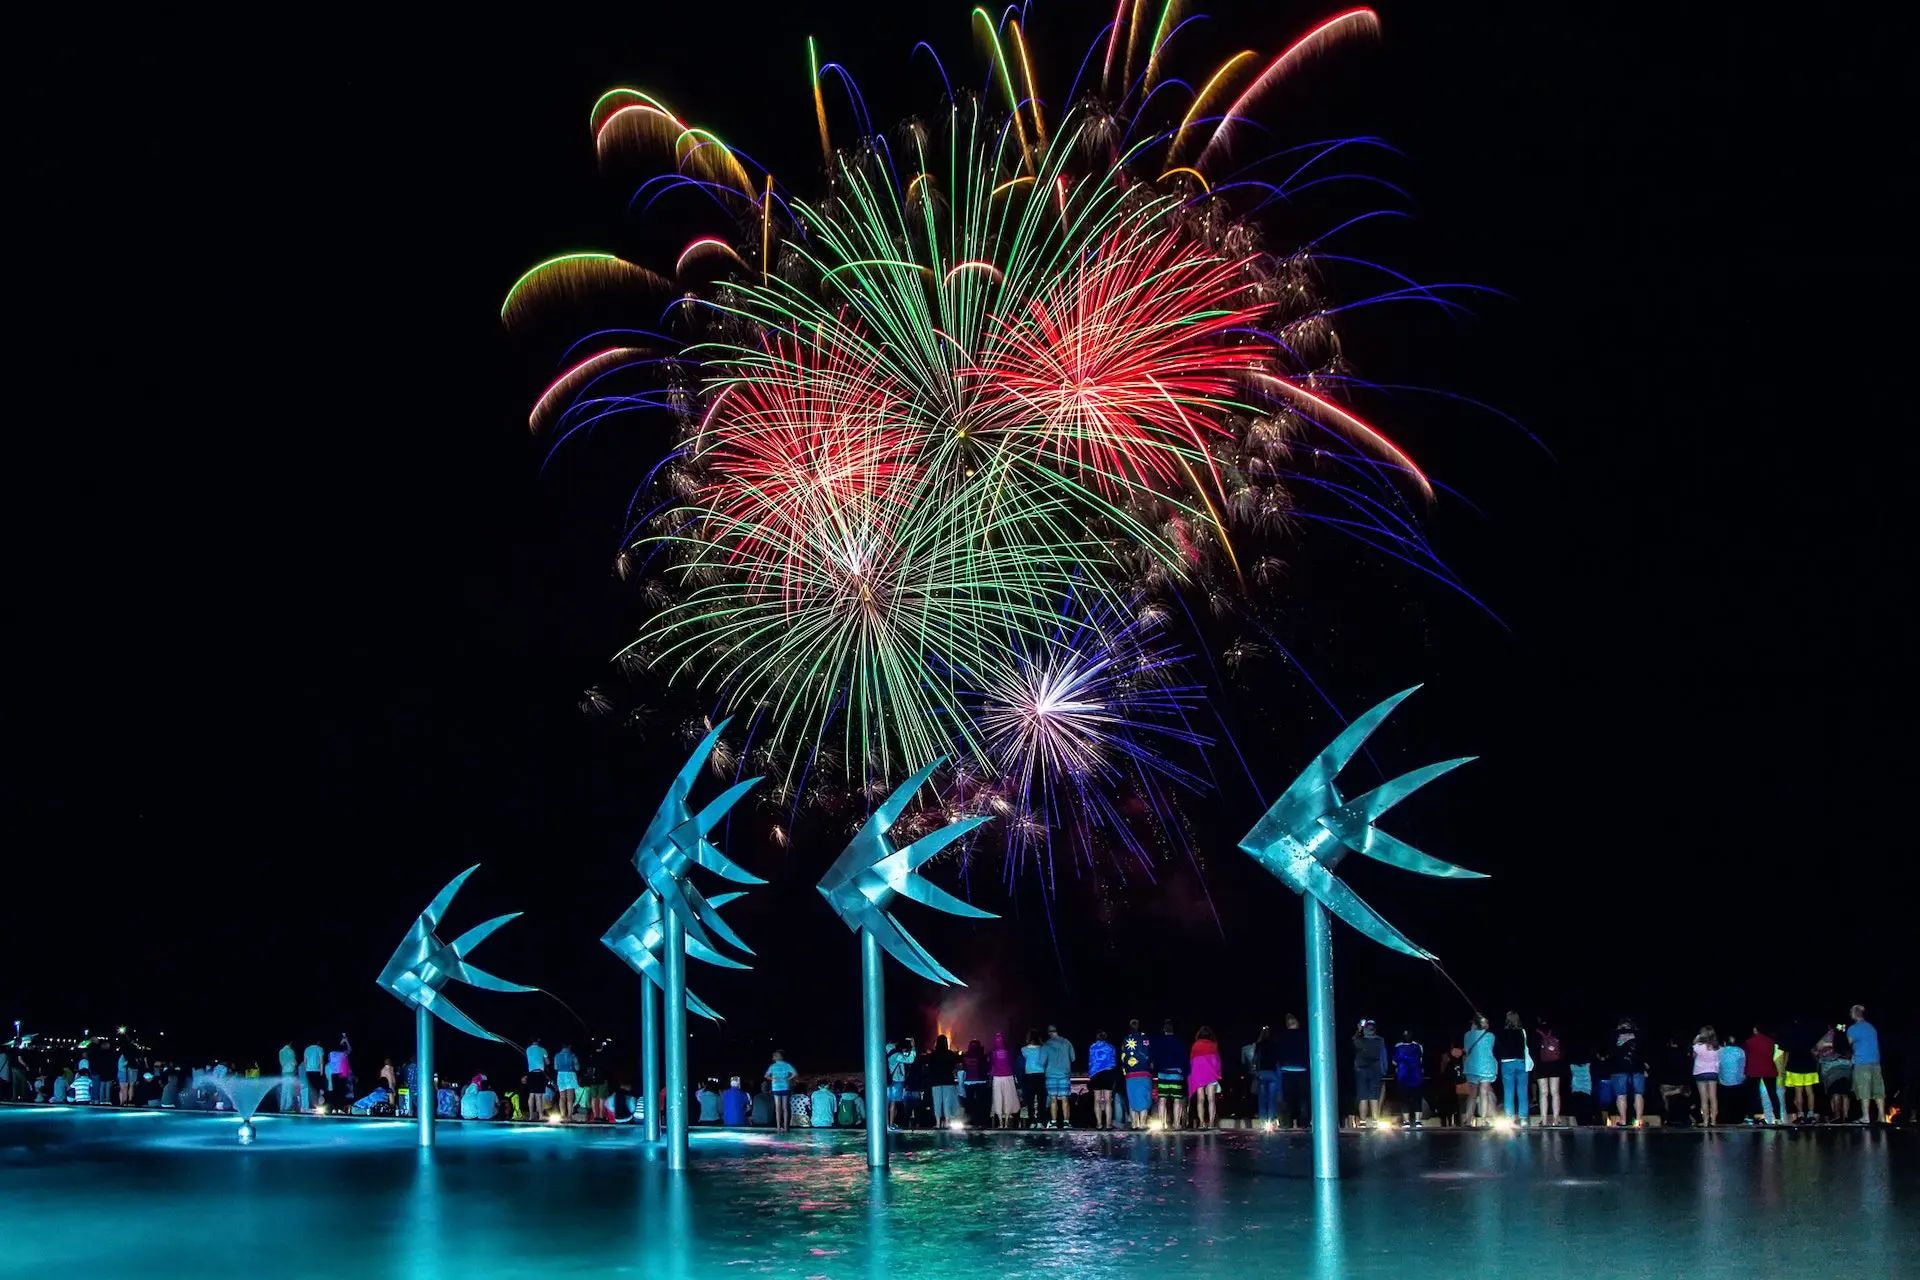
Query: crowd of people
(1516, 1073)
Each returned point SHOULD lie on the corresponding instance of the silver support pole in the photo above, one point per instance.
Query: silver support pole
(676, 1021)
(1324, 1079)
(650, 1057)
(873, 1018)
(426, 1098)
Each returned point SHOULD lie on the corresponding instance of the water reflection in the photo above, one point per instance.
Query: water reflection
(350, 1199)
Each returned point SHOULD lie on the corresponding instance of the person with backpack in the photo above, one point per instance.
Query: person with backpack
(851, 1113)
(1550, 1068)
(1409, 1078)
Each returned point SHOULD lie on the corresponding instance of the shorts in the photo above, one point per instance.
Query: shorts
(536, 1082)
(1366, 1086)
(1210, 1087)
(1868, 1082)
(566, 1081)
(1706, 1077)
(1139, 1093)
(1476, 1078)
(1059, 1086)
(1625, 1085)
(1171, 1084)
(126, 1075)
(1800, 1079)
(896, 1093)
(1837, 1083)
(1107, 1081)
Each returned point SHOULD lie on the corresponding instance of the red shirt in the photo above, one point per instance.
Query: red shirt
(1759, 1057)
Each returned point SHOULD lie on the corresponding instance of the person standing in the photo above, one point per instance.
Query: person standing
(1733, 1079)
(1103, 1078)
(976, 1077)
(898, 1060)
(1766, 1082)
(313, 1063)
(1627, 1071)
(1802, 1071)
(1510, 1047)
(289, 1067)
(1203, 1078)
(1410, 1078)
(1482, 1068)
(780, 1074)
(1550, 1068)
(1294, 1076)
(1869, 1082)
(1006, 1092)
(1706, 1074)
(1059, 1067)
(566, 1080)
(1836, 1073)
(340, 1070)
(537, 1061)
(943, 1067)
(1033, 1078)
(1369, 1071)
(1170, 1058)
(1136, 1061)
(1266, 1077)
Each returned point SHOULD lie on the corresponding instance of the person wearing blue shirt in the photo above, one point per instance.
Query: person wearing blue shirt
(1869, 1085)
(1482, 1069)
(736, 1104)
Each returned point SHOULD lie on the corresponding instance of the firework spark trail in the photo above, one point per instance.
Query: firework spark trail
(1000, 360)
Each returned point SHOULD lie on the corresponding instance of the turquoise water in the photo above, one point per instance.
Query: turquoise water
(98, 1192)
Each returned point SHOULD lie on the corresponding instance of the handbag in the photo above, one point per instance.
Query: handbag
(1526, 1049)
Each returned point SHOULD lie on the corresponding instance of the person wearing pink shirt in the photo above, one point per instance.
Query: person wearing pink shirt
(1006, 1096)
(1706, 1074)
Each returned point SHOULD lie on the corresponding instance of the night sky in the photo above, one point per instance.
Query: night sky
(299, 625)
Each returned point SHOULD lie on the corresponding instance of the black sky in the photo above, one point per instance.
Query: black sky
(299, 626)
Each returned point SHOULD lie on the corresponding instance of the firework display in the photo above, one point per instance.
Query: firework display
(959, 434)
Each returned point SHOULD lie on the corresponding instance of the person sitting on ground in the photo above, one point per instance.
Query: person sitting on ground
(81, 1090)
(852, 1111)
(381, 1097)
(763, 1105)
(825, 1105)
(736, 1105)
(707, 1097)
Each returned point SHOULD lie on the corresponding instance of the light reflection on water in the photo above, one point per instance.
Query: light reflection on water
(320, 1198)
